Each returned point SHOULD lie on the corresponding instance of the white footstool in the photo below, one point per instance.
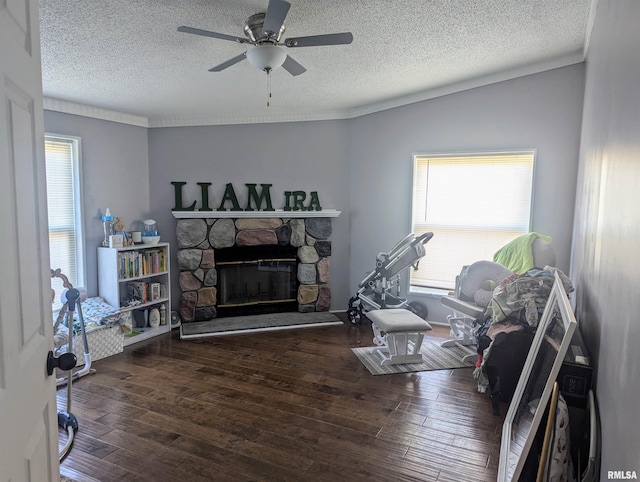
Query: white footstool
(398, 334)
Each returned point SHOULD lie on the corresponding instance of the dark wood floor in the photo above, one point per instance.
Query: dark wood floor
(286, 405)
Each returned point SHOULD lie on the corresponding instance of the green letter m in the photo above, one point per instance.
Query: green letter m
(265, 195)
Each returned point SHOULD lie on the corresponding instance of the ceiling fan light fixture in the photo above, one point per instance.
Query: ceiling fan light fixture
(266, 57)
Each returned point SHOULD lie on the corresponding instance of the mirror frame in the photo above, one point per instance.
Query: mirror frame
(557, 302)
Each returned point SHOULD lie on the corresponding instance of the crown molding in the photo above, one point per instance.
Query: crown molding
(84, 110)
(250, 119)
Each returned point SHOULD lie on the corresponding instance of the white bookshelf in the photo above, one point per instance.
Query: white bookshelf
(141, 263)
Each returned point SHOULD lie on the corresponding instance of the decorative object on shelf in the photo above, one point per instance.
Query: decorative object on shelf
(107, 226)
(150, 234)
(116, 241)
(139, 319)
(136, 236)
(119, 230)
(154, 291)
(118, 225)
(154, 318)
(163, 315)
(136, 294)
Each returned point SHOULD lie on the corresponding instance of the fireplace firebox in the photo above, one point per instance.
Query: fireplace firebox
(256, 280)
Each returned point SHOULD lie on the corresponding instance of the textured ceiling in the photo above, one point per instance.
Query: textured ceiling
(126, 56)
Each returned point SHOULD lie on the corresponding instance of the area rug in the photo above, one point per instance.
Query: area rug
(257, 323)
(434, 357)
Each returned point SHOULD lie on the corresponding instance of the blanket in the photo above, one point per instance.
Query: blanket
(528, 292)
(97, 314)
(517, 255)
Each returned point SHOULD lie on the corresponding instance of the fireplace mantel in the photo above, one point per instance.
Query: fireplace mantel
(278, 213)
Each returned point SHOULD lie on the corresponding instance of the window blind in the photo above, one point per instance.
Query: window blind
(474, 205)
(63, 207)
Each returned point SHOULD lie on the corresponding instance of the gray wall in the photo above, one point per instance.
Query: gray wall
(541, 111)
(115, 173)
(607, 227)
(306, 156)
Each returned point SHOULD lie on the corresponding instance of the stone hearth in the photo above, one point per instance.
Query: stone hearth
(199, 238)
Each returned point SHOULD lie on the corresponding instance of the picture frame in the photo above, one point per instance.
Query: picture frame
(532, 393)
(116, 241)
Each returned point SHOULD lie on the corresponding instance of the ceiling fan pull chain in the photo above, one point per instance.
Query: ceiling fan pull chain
(268, 87)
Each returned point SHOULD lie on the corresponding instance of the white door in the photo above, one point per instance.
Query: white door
(28, 419)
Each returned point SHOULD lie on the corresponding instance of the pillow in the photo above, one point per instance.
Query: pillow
(478, 280)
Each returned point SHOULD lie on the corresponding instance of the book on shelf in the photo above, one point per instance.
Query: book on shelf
(155, 261)
(132, 264)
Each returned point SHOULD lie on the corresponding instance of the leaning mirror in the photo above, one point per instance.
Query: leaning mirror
(532, 393)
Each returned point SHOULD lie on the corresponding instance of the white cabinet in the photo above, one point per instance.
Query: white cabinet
(136, 279)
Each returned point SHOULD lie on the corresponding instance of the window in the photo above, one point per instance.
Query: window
(64, 205)
(474, 204)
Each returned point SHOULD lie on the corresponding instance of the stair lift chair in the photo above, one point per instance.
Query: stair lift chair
(475, 284)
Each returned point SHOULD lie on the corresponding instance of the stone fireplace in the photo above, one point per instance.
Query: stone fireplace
(238, 266)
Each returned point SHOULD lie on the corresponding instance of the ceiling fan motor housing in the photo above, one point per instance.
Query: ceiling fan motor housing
(253, 30)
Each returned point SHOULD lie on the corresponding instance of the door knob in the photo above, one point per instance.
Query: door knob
(65, 362)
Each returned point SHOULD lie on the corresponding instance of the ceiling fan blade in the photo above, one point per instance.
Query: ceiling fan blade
(315, 40)
(207, 33)
(274, 18)
(229, 63)
(293, 67)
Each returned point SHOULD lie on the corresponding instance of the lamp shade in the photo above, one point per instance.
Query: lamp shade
(266, 57)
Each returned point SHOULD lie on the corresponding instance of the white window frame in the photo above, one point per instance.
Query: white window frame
(493, 191)
(80, 261)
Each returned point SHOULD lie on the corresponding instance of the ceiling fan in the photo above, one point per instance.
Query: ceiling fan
(264, 31)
